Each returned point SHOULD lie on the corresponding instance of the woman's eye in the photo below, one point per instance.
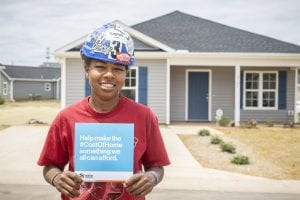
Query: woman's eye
(99, 67)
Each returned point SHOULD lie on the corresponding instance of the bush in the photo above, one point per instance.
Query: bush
(224, 121)
(251, 123)
(2, 100)
(269, 123)
(227, 147)
(215, 140)
(240, 160)
(204, 132)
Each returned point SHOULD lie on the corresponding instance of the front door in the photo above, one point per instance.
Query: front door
(198, 96)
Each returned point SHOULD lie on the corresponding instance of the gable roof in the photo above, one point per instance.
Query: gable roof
(142, 42)
(186, 32)
(25, 72)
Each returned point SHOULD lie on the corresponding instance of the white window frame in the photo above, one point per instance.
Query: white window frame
(5, 88)
(260, 91)
(47, 87)
(136, 83)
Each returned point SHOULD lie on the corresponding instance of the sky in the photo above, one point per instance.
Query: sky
(29, 27)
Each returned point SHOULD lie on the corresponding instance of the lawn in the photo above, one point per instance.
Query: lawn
(19, 113)
(274, 152)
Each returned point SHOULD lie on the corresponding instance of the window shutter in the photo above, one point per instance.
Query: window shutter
(87, 87)
(282, 90)
(241, 89)
(143, 85)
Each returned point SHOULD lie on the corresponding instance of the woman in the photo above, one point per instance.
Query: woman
(107, 54)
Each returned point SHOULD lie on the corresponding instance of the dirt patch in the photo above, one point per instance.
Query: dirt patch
(275, 162)
(20, 113)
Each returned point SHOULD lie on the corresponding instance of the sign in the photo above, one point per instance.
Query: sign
(219, 114)
(103, 151)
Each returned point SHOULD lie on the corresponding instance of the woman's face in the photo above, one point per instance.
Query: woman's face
(106, 79)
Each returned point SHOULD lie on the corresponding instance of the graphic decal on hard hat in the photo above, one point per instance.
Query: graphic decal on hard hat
(109, 43)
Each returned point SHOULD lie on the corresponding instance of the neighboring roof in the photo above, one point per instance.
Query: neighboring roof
(25, 72)
(50, 64)
(186, 32)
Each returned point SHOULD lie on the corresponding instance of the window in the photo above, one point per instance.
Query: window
(47, 87)
(260, 90)
(130, 87)
(5, 88)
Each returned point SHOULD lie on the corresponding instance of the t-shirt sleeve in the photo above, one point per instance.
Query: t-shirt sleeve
(54, 151)
(155, 154)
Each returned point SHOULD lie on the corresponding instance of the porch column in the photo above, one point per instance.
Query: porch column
(63, 95)
(11, 90)
(237, 95)
(168, 92)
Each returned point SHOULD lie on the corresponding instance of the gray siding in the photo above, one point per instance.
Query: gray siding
(32, 89)
(177, 93)
(222, 92)
(274, 115)
(75, 81)
(157, 86)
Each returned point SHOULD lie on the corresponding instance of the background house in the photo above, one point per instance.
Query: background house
(23, 82)
(187, 68)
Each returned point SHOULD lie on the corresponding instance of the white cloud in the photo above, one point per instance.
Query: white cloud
(29, 27)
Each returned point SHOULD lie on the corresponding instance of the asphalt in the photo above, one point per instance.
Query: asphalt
(185, 178)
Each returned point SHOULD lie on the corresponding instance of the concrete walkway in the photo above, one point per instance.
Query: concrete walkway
(20, 147)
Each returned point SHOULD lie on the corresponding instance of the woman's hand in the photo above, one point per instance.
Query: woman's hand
(68, 183)
(140, 184)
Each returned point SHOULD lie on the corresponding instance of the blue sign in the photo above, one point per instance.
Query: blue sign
(104, 151)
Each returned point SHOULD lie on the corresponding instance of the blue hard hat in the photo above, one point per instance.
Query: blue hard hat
(109, 43)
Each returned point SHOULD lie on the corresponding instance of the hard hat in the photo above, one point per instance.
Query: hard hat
(109, 43)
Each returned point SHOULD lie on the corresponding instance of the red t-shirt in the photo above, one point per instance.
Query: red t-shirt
(149, 148)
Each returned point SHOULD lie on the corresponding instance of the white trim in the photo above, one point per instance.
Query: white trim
(168, 74)
(12, 90)
(47, 87)
(213, 59)
(71, 45)
(295, 96)
(134, 33)
(136, 87)
(187, 87)
(63, 100)
(57, 88)
(34, 80)
(237, 95)
(260, 91)
(5, 92)
(5, 74)
(0, 81)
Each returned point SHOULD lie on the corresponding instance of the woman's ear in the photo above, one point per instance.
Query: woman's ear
(86, 71)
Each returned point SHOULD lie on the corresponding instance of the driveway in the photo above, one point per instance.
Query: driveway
(184, 178)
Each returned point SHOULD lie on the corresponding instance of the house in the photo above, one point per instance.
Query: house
(189, 69)
(23, 82)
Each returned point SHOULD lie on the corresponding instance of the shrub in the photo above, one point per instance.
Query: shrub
(215, 140)
(204, 132)
(2, 100)
(269, 123)
(240, 160)
(251, 123)
(224, 121)
(227, 147)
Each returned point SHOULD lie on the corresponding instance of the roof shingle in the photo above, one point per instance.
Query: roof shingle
(186, 32)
